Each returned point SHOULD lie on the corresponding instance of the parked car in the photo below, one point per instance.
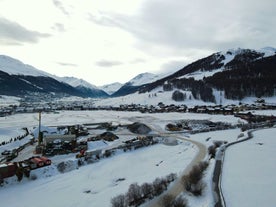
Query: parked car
(6, 152)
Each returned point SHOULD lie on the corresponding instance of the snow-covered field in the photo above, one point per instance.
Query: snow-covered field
(248, 177)
(8, 100)
(95, 184)
(7, 133)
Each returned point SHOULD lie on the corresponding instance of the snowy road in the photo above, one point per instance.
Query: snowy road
(177, 186)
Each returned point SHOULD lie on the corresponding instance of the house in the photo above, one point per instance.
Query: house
(62, 138)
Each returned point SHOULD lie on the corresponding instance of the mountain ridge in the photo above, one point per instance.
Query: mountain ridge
(198, 80)
(31, 79)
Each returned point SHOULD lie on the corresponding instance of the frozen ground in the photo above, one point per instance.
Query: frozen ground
(8, 100)
(96, 184)
(249, 171)
(7, 133)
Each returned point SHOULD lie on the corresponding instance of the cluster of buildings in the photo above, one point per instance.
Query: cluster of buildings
(32, 107)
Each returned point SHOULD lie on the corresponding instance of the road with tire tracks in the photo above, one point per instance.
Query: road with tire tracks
(177, 186)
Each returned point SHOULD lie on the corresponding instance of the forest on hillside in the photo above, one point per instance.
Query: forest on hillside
(256, 78)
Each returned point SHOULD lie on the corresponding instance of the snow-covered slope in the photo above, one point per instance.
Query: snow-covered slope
(143, 78)
(16, 67)
(134, 84)
(226, 57)
(111, 88)
(83, 86)
(14, 74)
(75, 82)
(231, 62)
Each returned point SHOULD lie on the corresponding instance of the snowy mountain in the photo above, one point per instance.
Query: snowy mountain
(17, 78)
(85, 87)
(224, 77)
(143, 78)
(136, 83)
(76, 82)
(221, 61)
(15, 67)
(233, 74)
(236, 73)
(111, 88)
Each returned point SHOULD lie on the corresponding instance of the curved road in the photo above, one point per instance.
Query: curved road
(217, 175)
(177, 186)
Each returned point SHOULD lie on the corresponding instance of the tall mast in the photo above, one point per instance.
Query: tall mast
(39, 128)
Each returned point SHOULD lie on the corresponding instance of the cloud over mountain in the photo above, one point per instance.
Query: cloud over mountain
(13, 33)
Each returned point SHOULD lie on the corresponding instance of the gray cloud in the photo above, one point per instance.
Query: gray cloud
(61, 7)
(59, 27)
(138, 60)
(108, 63)
(173, 66)
(105, 19)
(67, 64)
(12, 33)
(208, 25)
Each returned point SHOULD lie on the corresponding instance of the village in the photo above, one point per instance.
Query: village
(69, 140)
(37, 106)
(69, 144)
(77, 139)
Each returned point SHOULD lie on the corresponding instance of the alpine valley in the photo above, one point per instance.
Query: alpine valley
(235, 74)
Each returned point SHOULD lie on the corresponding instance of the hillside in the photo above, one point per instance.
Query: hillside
(236, 73)
(20, 85)
(111, 88)
(136, 83)
(83, 86)
(19, 79)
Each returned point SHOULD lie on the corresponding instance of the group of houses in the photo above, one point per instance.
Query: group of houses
(32, 107)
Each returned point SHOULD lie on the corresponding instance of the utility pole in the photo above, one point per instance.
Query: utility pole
(40, 135)
(220, 98)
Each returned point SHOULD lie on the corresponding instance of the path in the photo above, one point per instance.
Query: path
(177, 186)
(217, 192)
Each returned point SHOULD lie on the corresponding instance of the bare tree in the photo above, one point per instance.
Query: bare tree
(118, 201)
(159, 186)
(134, 194)
(167, 200)
(171, 177)
(147, 190)
(180, 202)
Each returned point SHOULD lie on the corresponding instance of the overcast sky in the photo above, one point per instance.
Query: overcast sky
(105, 41)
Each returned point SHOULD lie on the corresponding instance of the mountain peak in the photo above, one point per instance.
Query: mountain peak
(111, 88)
(15, 67)
(75, 82)
(143, 78)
